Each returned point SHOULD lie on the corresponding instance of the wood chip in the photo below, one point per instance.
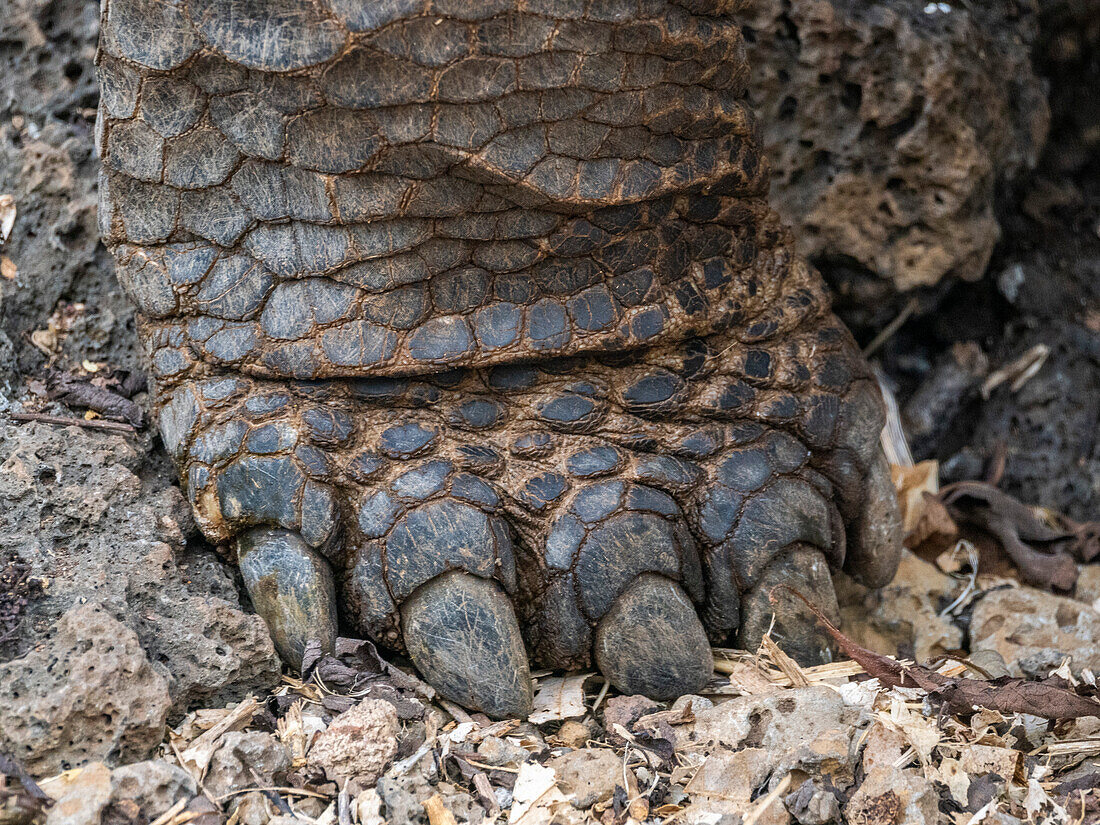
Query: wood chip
(437, 811)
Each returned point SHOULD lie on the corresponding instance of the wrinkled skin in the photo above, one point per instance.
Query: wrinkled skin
(471, 321)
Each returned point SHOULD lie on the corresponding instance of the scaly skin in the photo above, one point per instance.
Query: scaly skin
(482, 305)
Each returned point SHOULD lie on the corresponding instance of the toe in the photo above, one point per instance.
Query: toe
(651, 641)
(461, 633)
(771, 605)
(624, 584)
(291, 587)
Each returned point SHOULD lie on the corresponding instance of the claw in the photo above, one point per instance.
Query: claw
(652, 642)
(462, 634)
(291, 587)
(796, 630)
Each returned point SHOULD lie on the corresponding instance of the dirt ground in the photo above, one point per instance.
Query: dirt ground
(137, 687)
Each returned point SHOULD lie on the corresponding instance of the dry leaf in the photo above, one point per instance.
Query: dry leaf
(8, 269)
(536, 797)
(7, 217)
(198, 755)
(559, 698)
(961, 695)
(1040, 551)
(924, 516)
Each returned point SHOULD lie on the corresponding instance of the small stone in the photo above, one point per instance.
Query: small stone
(359, 744)
(496, 751)
(254, 808)
(1034, 631)
(572, 734)
(79, 799)
(154, 785)
(588, 776)
(245, 759)
(813, 804)
(888, 795)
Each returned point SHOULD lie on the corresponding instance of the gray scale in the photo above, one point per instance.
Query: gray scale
(170, 105)
(134, 149)
(199, 158)
(214, 214)
(234, 288)
(276, 35)
(251, 124)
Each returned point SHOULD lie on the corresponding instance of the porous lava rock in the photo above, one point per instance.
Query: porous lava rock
(889, 126)
(89, 693)
(97, 522)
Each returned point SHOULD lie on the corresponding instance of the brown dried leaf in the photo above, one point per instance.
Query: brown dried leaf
(1039, 550)
(962, 695)
(79, 392)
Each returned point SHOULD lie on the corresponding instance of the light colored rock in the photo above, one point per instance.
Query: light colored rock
(1034, 630)
(904, 614)
(79, 799)
(882, 747)
(588, 776)
(725, 783)
(359, 744)
(496, 751)
(888, 796)
(809, 729)
(253, 808)
(154, 786)
(244, 760)
(89, 693)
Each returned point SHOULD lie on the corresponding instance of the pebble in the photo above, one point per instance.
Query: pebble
(588, 776)
(1034, 631)
(359, 744)
(888, 796)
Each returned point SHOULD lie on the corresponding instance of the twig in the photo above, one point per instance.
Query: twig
(457, 713)
(437, 811)
(273, 788)
(887, 333)
(93, 424)
(767, 801)
(168, 815)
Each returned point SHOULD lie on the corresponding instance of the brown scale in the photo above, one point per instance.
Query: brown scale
(472, 327)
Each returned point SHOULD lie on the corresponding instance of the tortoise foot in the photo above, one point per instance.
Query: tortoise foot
(594, 511)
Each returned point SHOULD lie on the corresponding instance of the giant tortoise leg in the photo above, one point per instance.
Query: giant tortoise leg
(476, 315)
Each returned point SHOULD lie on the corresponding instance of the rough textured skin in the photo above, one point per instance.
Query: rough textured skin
(491, 288)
